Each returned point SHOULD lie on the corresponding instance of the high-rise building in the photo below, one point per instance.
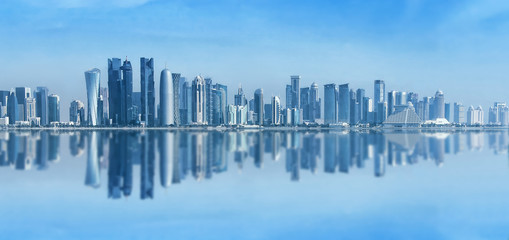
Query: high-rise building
(475, 116)
(295, 81)
(439, 105)
(289, 96)
(401, 98)
(382, 112)
(304, 103)
(344, 103)
(21, 94)
(53, 108)
(41, 104)
(391, 102)
(126, 107)
(330, 110)
(258, 106)
(30, 111)
(93, 79)
(136, 109)
(354, 108)
(218, 105)
(275, 109)
(314, 103)
(148, 99)
(186, 108)
(459, 113)
(240, 98)
(12, 108)
(176, 98)
(103, 104)
(368, 110)
(166, 98)
(361, 93)
(77, 112)
(199, 105)
(449, 112)
(114, 89)
(413, 98)
(379, 94)
(208, 100)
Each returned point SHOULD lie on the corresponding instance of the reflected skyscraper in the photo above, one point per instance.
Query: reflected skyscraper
(167, 158)
(92, 175)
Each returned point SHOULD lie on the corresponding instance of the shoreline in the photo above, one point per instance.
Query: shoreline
(262, 128)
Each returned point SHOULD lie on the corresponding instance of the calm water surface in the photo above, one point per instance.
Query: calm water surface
(254, 185)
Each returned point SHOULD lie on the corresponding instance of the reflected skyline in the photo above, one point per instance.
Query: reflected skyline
(167, 158)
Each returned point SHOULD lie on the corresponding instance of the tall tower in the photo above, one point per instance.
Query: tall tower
(53, 108)
(439, 105)
(93, 78)
(276, 106)
(344, 103)
(379, 93)
(166, 97)
(198, 104)
(126, 109)
(176, 97)
(147, 91)
(295, 81)
(12, 108)
(258, 106)
(114, 89)
(41, 104)
(330, 110)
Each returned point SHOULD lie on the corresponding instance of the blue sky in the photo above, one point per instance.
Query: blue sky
(459, 47)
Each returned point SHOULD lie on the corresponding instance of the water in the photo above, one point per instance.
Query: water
(254, 185)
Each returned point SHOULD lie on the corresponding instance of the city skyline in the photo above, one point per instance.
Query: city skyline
(411, 44)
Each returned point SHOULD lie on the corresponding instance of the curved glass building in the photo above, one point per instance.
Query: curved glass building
(92, 78)
(166, 98)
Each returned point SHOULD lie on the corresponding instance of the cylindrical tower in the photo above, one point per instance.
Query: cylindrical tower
(92, 78)
(166, 98)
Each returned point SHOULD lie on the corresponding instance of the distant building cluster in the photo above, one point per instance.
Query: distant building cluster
(201, 102)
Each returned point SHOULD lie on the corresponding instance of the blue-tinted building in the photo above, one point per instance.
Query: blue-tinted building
(344, 103)
(12, 108)
(147, 91)
(41, 104)
(53, 108)
(126, 107)
(330, 110)
(258, 106)
(114, 89)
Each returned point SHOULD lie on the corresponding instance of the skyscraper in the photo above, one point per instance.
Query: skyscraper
(12, 108)
(330, 110)
(344, 103)
(304, 103)
(240, 98)
(208, 100)
(126, 107)
(276, 106)
(166, 98)
(76, 112)
(147, 91)
(361, 93)
(93, 78)
(176, 97)
(53, 108)
(198, 98)
(391, 102)
(459, 113)
(314, 103)
(379, 95)
(289, 96)
(401, 98)
(258, 106)
(439, 105)
(295, 81)
(21, 94)
(103, 105)
(41, 104)
(114, 89)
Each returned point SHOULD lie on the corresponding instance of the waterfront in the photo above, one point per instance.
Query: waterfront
(254, 184)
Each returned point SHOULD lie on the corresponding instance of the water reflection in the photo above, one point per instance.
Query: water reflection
(173, 156)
